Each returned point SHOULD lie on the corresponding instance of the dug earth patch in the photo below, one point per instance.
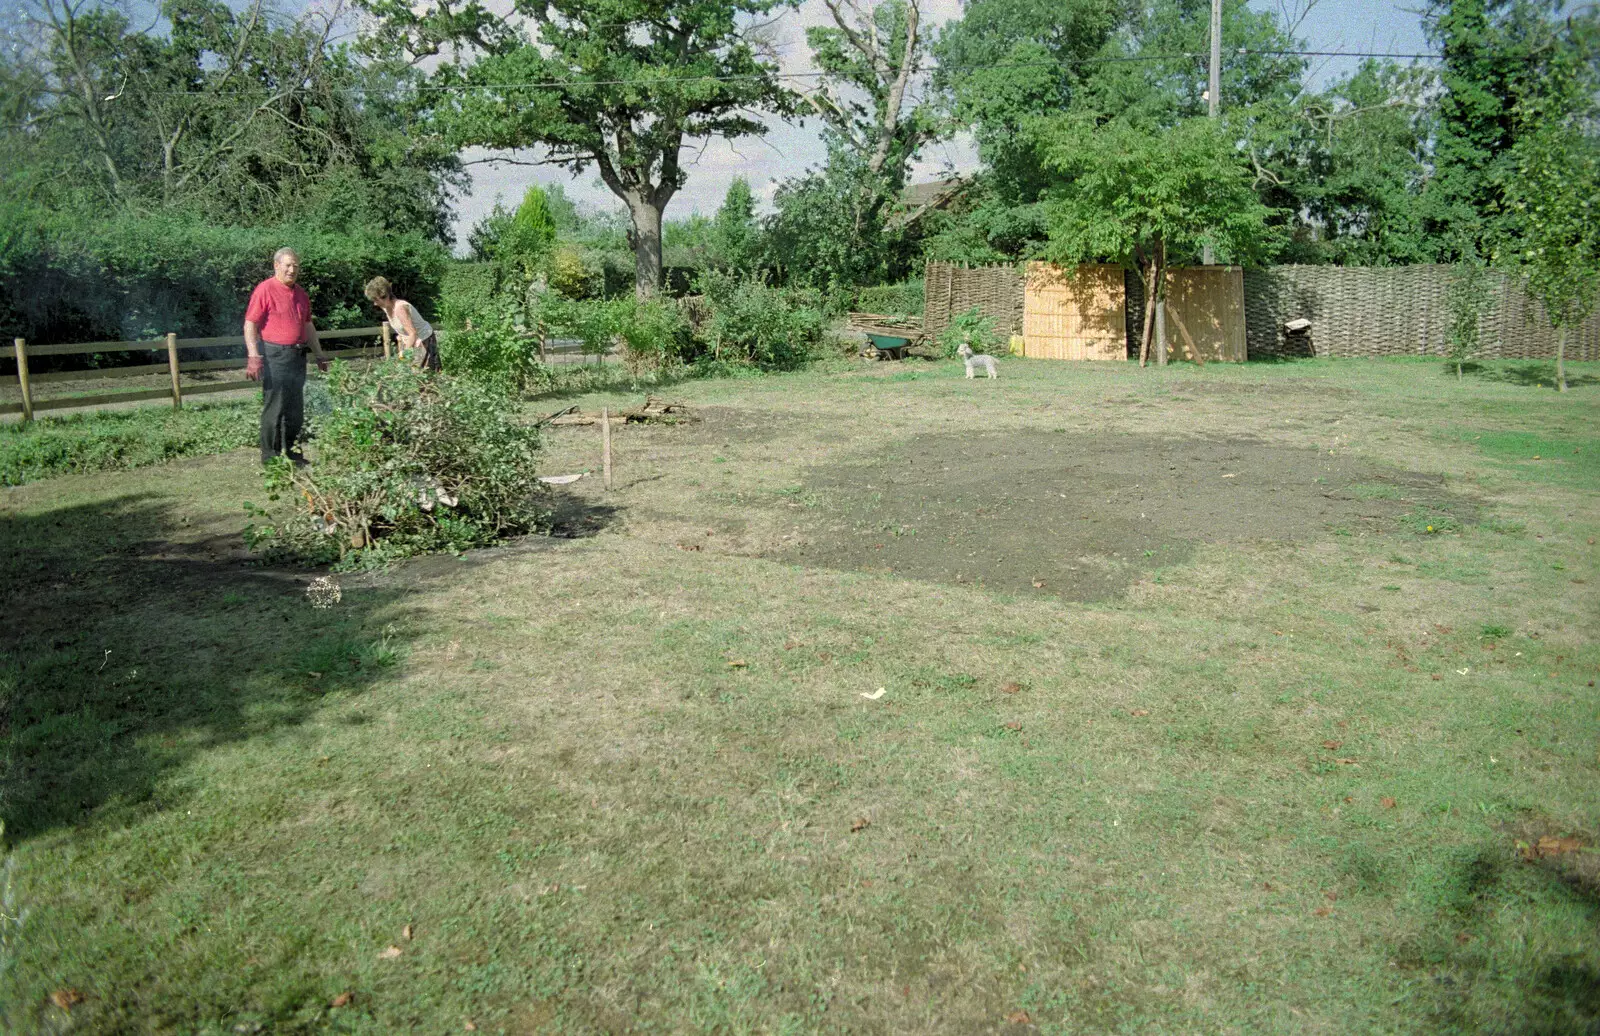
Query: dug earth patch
(1054, 514)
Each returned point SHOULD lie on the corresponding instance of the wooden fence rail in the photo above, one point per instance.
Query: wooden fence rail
(20, 351)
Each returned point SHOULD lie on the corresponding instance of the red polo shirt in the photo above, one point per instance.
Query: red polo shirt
(280, 311)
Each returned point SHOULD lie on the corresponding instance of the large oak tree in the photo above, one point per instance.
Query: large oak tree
(619, 86)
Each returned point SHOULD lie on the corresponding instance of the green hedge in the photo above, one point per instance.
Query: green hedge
(903, 299)
(135, 277)
(465, 289)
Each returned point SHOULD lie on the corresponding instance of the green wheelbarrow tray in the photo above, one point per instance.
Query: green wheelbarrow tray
(891, 345)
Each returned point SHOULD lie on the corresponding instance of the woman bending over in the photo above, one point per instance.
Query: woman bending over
(414, 334)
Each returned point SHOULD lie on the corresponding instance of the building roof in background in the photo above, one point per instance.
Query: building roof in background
(933, 193)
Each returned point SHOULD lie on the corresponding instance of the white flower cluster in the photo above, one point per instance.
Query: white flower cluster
(323, 592)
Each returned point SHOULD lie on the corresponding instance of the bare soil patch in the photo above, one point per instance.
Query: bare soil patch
(1048, 513)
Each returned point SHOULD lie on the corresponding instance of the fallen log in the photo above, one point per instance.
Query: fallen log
(655, 411)
(549, 418)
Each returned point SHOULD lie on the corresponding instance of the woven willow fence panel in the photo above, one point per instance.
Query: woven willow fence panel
(1354, 311)
(951, 290)
(1395, 311)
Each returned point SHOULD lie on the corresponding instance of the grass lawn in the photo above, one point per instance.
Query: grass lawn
(1246, 698)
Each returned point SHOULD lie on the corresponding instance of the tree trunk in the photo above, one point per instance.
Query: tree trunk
(646, 242)
(1161, 307)
(1149, 328)
(1561, 359)
(1161, 333)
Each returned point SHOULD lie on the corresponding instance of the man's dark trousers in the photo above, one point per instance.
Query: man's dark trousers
(283, 399)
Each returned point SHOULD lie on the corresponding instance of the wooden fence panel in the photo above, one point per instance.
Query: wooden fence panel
(1074, 316)
(1205, 310)
(1355, 311)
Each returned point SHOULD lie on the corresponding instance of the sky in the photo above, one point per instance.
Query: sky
(787, 150)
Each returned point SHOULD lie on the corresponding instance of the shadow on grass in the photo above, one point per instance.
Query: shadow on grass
(128, 648)
(1532, 374)
(573, 518)
(1557, 993)
(1273, 359)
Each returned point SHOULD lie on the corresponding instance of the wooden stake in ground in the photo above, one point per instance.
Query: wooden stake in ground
(172, 366)
(386, 340)
(605, 444)
(22, 378)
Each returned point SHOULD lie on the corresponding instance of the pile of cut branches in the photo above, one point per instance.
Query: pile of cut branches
(406, 462)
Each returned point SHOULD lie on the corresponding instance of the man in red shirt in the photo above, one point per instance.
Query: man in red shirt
(277, 332)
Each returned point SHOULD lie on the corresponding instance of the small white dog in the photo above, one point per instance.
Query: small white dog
(976, 360)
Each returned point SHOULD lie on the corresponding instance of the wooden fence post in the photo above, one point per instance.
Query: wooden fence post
(605, 443)
(22, 378)
(386, 340)
(172, 365)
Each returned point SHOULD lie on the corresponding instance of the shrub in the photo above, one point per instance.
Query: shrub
(574, 274)
(654, 334)
(407, 462)
(498, 340)
(491, 342)
(577, 379)
(971, 328)
(526, 242)
(465, 288)
(752, 322)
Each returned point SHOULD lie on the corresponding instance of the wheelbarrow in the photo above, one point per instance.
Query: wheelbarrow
(891, 347)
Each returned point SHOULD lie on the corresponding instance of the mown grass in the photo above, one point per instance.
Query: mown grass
(52, 446)
(616, 783)
(1572, 459)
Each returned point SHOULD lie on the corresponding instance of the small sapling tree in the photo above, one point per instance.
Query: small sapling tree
(1141, 197)
(1552, 196)
(1469, 300)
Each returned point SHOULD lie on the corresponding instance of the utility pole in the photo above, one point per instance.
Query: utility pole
(1214, 91)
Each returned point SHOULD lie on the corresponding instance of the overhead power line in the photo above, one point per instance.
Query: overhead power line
(549, 84)
(571, 84)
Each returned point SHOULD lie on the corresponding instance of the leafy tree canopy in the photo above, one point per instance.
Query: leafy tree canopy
(1008, 63)
(239, 115)
(1125, 194)
(614, 85)
(1346, 167)
(1495, 53)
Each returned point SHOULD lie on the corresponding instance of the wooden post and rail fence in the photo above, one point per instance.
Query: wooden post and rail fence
(20, 350)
